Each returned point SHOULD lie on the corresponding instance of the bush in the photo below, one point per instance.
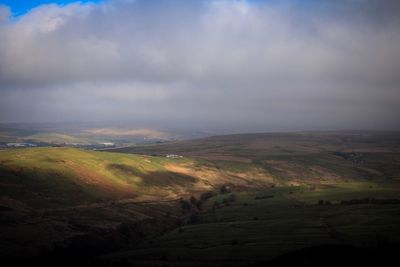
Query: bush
(178, 221)
(216, 205)
(263, 197)
(185, 205)
(195, 202)
(228, 200)
(225, 189)
(324, 202)
(194, 218)
(206, 195)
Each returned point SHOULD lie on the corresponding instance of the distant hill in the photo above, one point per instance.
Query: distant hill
(249, 146)
(85, 135)
(233, 198)
(301, 157)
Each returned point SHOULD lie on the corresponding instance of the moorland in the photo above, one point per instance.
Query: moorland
(232, 200)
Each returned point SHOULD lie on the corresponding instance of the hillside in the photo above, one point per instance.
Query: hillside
(237, 200)
(297, 158)
(50, 176)
(250, 146)
(59, 193)
(60, 197)
(82, 135)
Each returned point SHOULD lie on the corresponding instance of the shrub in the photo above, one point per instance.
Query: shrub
(216, 205)
(229, 199)
(185, 205)
(195, 202)
(206, 195)
(225, 189)
(194, 218)
(263, 197)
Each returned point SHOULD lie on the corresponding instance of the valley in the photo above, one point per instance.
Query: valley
(240, 200)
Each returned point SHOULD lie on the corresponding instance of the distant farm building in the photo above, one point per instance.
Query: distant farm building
(173, 156)
(108, 144)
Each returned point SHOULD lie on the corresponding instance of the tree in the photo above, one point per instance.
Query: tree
(225, 189)
(206, 195)
(185, 205)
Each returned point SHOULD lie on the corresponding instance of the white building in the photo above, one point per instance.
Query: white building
(173, 156)
(108, 144)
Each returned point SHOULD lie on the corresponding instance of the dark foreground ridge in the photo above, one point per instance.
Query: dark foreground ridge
(301, 199)
(326, 255)
(336, 255)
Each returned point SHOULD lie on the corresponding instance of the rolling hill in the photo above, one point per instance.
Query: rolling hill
(51, 175)
(297, 158)
(242, 147)
(237, 200)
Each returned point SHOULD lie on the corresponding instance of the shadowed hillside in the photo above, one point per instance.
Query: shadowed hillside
(49, 176)
(241, 200)
(304, 157)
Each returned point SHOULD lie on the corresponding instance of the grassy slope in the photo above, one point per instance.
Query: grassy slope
(303, 172)
(308, 169)
(251, 229)
(70, 176)
(252, 146)
(41, 177)
(297, 158)
(255, 160)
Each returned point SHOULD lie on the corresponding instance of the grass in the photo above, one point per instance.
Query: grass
(70, 176)
(57, 173)
(295, 158)
(277, 187)
(252, 229)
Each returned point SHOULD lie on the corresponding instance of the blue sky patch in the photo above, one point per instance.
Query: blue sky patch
(20, 7)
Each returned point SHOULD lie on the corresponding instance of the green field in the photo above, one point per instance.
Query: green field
(225, 202)
(50, 176)
(254, 228)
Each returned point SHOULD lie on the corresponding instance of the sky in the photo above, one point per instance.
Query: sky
(238, 66)
(21, 7)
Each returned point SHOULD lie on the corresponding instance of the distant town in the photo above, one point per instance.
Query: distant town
(43, 144)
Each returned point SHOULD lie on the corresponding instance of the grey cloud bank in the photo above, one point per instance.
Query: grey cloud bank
(240, 65)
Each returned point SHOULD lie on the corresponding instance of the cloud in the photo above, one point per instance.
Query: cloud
(243, 65)
(5, 13)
